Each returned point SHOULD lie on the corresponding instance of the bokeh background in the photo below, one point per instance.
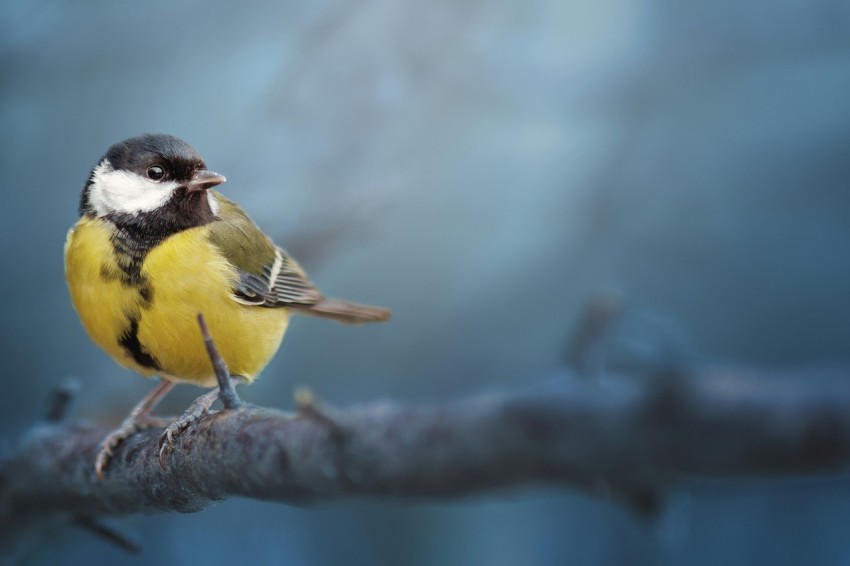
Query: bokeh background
(482, 167)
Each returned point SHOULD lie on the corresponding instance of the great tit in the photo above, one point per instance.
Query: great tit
(154, 247)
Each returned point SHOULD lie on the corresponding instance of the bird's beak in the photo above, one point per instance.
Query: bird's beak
(203, 180)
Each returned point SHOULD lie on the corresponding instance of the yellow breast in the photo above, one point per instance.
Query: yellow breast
(185, 275)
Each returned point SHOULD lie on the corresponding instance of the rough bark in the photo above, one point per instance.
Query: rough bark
(626, 438)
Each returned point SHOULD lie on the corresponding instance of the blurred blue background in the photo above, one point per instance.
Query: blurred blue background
(481, 167)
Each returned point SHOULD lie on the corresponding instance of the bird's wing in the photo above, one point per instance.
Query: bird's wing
(267, 275)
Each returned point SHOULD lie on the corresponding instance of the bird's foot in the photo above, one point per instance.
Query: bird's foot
(199, 407)
(139, 419)
(130, 426)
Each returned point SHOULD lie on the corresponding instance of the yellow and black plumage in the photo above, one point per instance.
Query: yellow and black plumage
(155, 246)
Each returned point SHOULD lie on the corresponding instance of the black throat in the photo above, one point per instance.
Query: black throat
(136, 234)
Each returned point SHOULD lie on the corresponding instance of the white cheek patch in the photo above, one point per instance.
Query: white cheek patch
(214, 206)
(125, 192)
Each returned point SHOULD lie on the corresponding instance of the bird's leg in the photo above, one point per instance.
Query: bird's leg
(138, 419)
(227, 393)
(199, 407)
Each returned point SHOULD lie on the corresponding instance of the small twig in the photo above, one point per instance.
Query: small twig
(61, 400)
(109, 534)
(309, 407)
(601, 312)
(227, 393)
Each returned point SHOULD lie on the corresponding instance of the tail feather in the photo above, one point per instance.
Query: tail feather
(345, 312)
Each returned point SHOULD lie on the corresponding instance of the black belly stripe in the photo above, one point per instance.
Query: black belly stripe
(134, 236)
(146, 293)
(129, 340)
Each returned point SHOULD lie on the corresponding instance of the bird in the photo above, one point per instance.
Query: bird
(154, 247)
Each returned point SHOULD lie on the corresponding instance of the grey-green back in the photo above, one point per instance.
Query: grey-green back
(257, 258)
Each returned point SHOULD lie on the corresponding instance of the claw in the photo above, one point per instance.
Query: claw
(164, 447)
(103, 458)
(166, 442)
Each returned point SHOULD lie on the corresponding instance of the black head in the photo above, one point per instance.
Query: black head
(178, 159)
(154, 184)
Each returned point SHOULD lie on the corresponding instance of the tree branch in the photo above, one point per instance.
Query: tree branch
(626, 438)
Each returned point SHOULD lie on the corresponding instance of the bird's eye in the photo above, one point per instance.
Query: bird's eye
(156, 172)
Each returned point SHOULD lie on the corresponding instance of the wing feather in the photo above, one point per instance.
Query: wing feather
(267, 275)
